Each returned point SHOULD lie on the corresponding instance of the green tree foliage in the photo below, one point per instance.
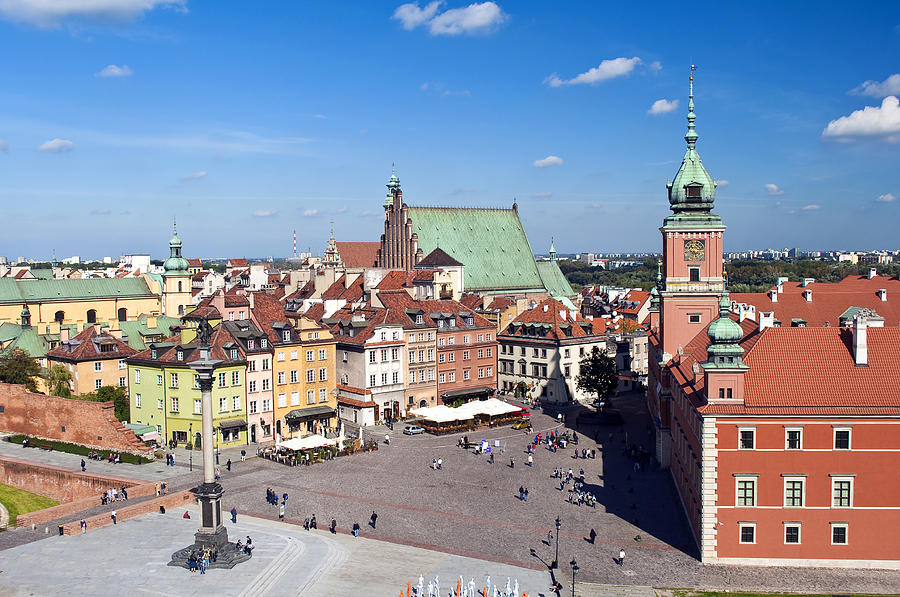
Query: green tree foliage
(59, 378)
(18, 367)
(118, 396)
(598, 375)
(581, 274)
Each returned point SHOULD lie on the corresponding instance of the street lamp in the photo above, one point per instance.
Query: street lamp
(555, 563)
(574, 566)
(191, 451)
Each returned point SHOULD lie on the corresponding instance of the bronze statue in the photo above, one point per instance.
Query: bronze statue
(204, 332)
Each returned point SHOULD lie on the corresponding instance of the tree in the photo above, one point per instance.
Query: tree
(118, 396)
(59, 378)
(18, 367)
(598, 375)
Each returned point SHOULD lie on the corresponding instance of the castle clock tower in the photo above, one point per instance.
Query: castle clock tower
(693, 239)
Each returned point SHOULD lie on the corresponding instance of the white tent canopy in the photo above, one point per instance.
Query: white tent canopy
(306, 443)
(445, 414)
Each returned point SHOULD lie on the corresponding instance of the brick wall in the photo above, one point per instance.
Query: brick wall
(91, 424)
(172, 500)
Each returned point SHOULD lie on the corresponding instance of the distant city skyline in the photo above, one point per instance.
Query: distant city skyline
(246, 125)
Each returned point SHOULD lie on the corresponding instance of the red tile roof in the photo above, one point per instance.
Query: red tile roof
(194, 262)
(398, 302)
(358, 254)
(471, 300)
(167, 351)
(829, 300)
(394, 280)
(236, 297)
(303, 292)
(500, 303)
(86, 347)
(353, 293)
(237, 263)
(316, 312)
(556, 319)
(631, 302)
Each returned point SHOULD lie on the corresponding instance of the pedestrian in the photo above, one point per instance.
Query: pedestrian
(217, 473)
(113, 516)
(440, 463)
(281, 512)
(621, 557)
(306, 523)
(526, 494)
(83, 525)
(491, 458)
(163, 487)
(374, 518)
(434, 464)
(530, 460)
(233, 515)
(172, 460)
(356, 529)
(228, 465)
(83, 468)
(312, 522)
(549, 537)
(593, 536)
(333, 528)
(521, 493)
(284, 498)
(512, 463)
(243, 455)
(124, 493)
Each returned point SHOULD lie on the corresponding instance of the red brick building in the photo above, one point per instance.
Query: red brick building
(782, 442)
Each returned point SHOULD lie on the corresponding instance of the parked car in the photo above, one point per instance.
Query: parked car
(413, 430)
(522, 424)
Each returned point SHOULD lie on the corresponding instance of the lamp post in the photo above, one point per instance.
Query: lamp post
(574, 566)
(555, 563)
(191, 451)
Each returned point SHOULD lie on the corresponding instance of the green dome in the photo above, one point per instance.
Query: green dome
(724, 330)
(692, 189)
(175, 264)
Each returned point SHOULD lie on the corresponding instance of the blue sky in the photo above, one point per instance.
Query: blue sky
(250, 120)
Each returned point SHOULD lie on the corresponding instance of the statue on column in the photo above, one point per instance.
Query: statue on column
(204, 332)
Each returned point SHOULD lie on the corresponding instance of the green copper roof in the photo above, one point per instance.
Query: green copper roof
(34, 291)
(136, 331)
(175, 264)
(30, 342)
(554, 280)
(490, 243)
(724, 333)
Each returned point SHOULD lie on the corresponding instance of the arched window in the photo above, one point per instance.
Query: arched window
(181, 309)
(123, 314)
(59, 316)
(92, 316)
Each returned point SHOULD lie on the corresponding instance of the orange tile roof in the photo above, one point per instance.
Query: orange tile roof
(237, 263)
(86, 347)
(829, 300)
(580, 326)
(358, 254)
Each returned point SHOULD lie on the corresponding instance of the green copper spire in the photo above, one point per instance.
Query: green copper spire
(692, 192)
(654, 292)
(552, 250)
(175, 264)
(724, 335)
(392, 185)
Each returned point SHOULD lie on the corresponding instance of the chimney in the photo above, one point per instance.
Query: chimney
(780, 283)
(251, 296)
(872, 272)
(63, 334)
(860, 348)
(151, 322)
(882, 294)
(562, 314)
(808, 281)
(546, 308)
(807, 296)
(766, 320)
(773, 294)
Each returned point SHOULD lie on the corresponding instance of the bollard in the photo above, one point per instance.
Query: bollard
(46, 530)
(162, 509)
(60, 530)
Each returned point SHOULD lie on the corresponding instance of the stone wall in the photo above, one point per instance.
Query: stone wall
(56, 483)
(91, 424)
(172, 500)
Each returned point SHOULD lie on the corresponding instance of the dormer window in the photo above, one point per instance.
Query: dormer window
(264, 342)
(153, 354)
(180, 355)
(286, 335)
(693, 191)
(251, 343)
(234, 354)
(440, 323)
(470, 321)
(420, 320)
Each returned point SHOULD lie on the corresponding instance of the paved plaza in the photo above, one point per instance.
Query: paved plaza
(464, 519)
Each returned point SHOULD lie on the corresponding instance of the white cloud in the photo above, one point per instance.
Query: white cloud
(56, 146)
(608, 69)
(722, 183)
(868, 122)
(113, 71)
(50, 13)
(4, 146)
(320, 116)
(264, 213)
(544, 194)
(411, 16)
(311, 212)
(811, 207)
(655, 66)
(886, 198)
(550, 160)
(193, 176)
(474, 18)
(773, 189)
(890, 86)
(663, 106)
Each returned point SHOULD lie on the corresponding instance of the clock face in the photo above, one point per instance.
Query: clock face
(694, 250)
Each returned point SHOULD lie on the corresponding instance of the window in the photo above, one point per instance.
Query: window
(384, 379)
(159, 403)
(137, 400)
(121, 382)
(198, 406)
(466, 374)
(430, 336)
(251, 366)
(251, 386)
(441, 357)
(420, 319)
(280, 356)
(286, 335)
(488, 337)
(196, 382)
(295, 376)
(480, 353)
(173, 380)
(581, 351)
(841, 492)
(137, 376)
(421, 337)
(323, 395)
(280, 377)
(451, 356)
(489, 352)
(265, 384)
(235, 378)
(309, 356)
(323, 374)
(252, 407)
(395, 335)
(431, 375)
(295, 398)
(412, 377)
(842, 438)
(695, 274)
(395, 377)
(442, 378)
(395, 354)
(481, 337)
(223, 404)
(265, 364)
(793, 439)
(323, 354)
(746, 492)
(489, 372)
(793, 492)
(98, 383)
(251, 343)
(543, 353)
(282, 400)
(747, 532)
(310, 375)
(174, 405)
(839, 533)
(98, 366)
(466, 339)
(371, 381)
(233, 354)
(266, 405)
(384, 354)
(372, 356)
(537, 353)
(293, 355)
(466, 355)
(451, 340)
(441, 341)
(747, 439)
(310, 396)
(264, 342)
(567, 371)
(345, 356)
(792, 533)
(566, 353)
(421, 375)
(221, 380)
(122, 364)
(451, 377)
(694, 318)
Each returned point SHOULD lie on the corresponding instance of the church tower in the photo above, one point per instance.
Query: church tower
(693, 236)
(176, 290)
(399, 244)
